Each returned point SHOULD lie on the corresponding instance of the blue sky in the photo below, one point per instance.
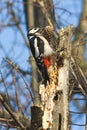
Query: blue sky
(68, 12)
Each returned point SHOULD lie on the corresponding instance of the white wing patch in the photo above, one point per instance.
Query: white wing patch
(36, 47)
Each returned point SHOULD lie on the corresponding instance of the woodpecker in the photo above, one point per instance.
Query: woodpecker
(42, 52)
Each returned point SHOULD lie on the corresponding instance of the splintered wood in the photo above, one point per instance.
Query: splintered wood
(47, 96)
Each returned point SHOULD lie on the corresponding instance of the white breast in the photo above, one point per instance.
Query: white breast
(47, 49)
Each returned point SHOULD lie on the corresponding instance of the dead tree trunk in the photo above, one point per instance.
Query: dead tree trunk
(63, 78)
(61, 107)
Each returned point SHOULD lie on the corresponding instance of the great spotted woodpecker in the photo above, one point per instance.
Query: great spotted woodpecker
(41, 51)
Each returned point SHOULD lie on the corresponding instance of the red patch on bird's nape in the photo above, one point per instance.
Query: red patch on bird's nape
(47, 61)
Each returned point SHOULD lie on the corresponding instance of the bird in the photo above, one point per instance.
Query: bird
(42, 52)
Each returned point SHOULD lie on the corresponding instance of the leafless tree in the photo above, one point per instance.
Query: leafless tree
(17, 93)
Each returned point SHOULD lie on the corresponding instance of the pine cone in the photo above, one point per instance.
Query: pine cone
(48, 33)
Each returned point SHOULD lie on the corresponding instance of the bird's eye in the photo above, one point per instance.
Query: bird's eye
(36, 30)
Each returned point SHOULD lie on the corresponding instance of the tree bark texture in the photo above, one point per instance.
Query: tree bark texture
(54, 98)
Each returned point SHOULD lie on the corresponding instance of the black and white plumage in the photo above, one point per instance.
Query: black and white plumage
(40, 49)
